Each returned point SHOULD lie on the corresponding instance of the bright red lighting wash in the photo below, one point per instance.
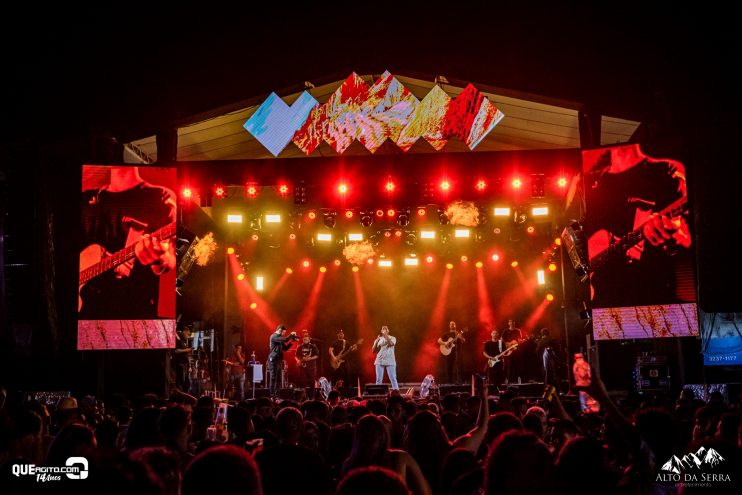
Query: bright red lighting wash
(421, 212)
(348, 214)
(187, 192)
(481, 185)
(517, 183)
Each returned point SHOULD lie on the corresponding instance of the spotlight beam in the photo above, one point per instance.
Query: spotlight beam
(309, 313)
(429, 353)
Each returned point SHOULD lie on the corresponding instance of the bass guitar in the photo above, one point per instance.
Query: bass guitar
(336, 361)
(95, 260)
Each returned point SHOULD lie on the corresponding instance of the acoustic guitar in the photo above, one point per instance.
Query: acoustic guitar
(339, 359)
(95, 260)
(448, 345)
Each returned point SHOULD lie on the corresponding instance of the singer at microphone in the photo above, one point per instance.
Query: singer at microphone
(383, 347)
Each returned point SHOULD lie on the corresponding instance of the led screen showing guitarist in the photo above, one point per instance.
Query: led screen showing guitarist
(638, 238)
(127, 259)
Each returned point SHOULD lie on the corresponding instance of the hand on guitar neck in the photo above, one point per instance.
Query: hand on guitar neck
(153, 250)
(302, 361)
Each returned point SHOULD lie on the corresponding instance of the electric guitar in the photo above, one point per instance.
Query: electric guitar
(448, 345)
(95, 260)
(302, 361)
(505, 353)
(336, 361)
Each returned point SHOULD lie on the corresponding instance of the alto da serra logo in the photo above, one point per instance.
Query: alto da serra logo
(694, 467)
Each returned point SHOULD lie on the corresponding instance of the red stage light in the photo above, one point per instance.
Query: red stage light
(517, 183)
(343, 188)
(187, 192)
(421, 212)
(379, 213)
(445, 186)
(495, 257)
(348, 214)
(479, 264)
(240, 276)
(355, 268)
(552, 267)
(370, 261)
(398, 233)
(497, 230)
(292, 236)
(513, 264)
(253, 305)
(255, 237)
(220, 192)
(531, 229)
(305, 263)
(390, 186)
(251, 190)
(289, 271)
(283, 189)
(230, 250)
(390, 212)
(464, 258)
(322, 269)
(387, 234)
(562, 182)
(312, 215)
(449, 266)
(558, 241)
(337, 262)
(429, 259)
(481, 185)
(549, 296)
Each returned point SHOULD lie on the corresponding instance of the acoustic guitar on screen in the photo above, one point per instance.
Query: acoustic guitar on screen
(95, 260)
(340, 358)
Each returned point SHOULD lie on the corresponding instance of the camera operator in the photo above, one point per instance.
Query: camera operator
(279, 343)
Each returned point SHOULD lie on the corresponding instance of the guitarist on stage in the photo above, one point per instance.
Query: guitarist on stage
(124, 212)
(493, 351)
(306, 359)
(450, 341)
(338, 347)
(512, 336)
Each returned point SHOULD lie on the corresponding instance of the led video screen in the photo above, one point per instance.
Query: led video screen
(639, 244)
(721, 338)
(126, 297)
